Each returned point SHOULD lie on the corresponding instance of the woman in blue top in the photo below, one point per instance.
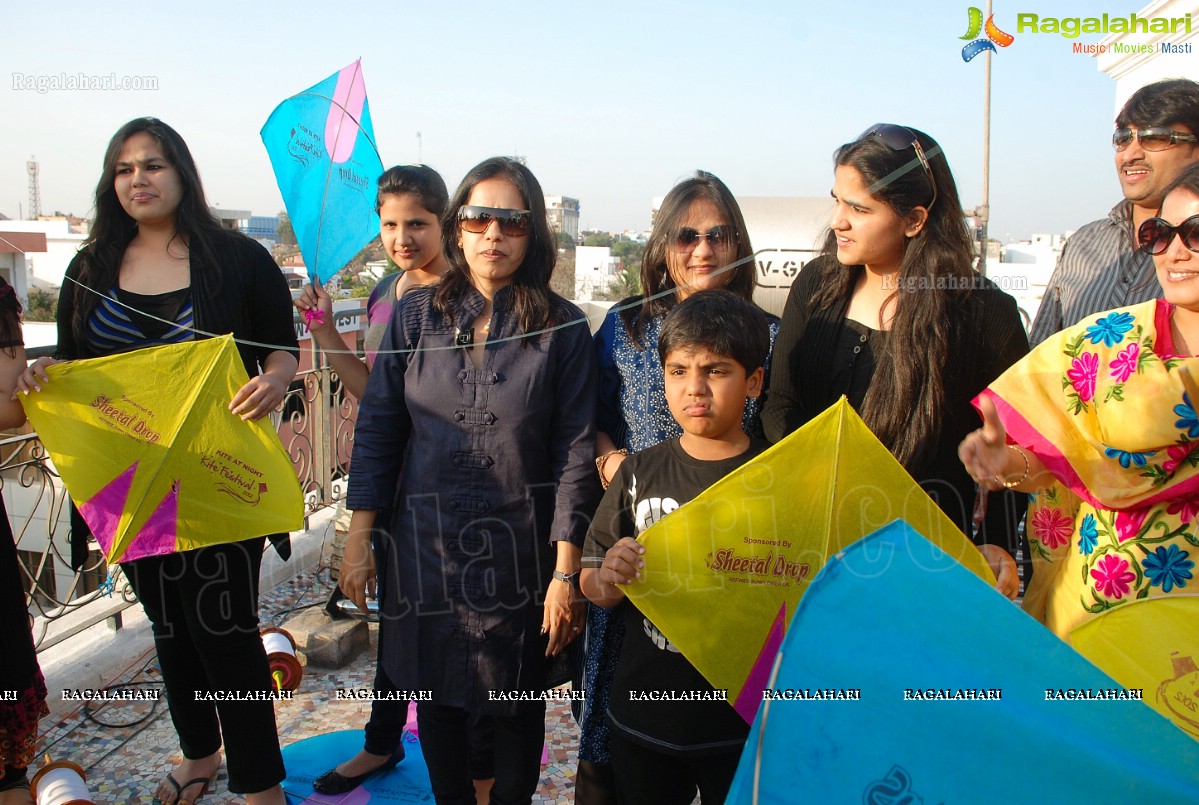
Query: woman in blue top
(699, 242)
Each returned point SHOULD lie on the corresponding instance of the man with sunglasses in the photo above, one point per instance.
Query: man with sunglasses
(1101, 268)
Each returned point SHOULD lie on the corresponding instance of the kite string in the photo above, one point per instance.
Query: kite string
(518, 337)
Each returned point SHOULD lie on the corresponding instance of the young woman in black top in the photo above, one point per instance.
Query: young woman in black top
(159, 268)
(894, 316)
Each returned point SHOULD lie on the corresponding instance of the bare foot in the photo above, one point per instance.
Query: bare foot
(202, 769)
(362, 763)
(272, 796)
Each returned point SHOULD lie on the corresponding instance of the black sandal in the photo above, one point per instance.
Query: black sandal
(333, 783)
(179, 800)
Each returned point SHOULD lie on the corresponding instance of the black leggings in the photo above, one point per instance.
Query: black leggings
(203, 605)
(516, 749)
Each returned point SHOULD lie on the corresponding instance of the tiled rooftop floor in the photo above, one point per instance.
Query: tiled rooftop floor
(125, 763)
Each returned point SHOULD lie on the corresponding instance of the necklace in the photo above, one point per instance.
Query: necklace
(486, 324)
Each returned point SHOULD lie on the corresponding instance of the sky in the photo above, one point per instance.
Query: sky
(611, 103)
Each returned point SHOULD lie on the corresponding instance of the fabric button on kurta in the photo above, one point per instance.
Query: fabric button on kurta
(470, 548)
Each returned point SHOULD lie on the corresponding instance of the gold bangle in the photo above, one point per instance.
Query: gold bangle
(1022, 478)
(601, 461)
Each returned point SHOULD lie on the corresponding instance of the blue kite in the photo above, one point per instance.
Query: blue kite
(906, 680)
(322, 146)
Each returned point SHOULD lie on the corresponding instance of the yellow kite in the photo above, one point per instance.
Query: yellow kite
(1150, 645)
(154, 459)
(753, 541)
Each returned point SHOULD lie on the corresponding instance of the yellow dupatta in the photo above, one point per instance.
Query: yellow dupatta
(1102, 405)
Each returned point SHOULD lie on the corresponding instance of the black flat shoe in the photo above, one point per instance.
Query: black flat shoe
(333, 783)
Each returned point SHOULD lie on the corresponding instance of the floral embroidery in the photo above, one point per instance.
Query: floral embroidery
(1185, 508)
(1082, 374)
(1125, 363)
(1177, 454)
(1127, 458)
(1168, 567)
(1051, 528)
(1128, 523)
(1112, 576)
(1187, 420)
(1110, 329)
(1088, 535)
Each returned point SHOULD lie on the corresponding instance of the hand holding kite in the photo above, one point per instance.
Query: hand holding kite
(316, 306)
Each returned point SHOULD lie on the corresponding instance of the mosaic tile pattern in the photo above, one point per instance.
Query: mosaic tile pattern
(125, 760)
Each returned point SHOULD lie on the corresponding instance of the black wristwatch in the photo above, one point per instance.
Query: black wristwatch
(570, 578)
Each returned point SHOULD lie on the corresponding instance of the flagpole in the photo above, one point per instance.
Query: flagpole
(984, 209)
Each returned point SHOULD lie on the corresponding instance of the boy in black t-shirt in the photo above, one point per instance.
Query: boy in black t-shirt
(664, 747)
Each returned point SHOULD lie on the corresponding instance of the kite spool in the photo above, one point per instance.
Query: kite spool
(60, 782)
(286, 670)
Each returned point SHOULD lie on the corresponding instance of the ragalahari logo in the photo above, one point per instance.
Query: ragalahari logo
(993, 37)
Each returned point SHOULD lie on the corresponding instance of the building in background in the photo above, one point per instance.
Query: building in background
(261, 228)
(563, 213)
(62, 236)
(595, 272)
(16, 248)
(1133, 70)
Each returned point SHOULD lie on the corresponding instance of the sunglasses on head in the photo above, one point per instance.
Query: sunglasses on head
(901, 138)
(1151, 139)
(718, 237)
(513, 223)
(1156, 234)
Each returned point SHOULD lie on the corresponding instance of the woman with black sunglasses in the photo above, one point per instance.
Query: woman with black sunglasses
(484, 389)
(1099, 421)
(894, 316)
(699, 242)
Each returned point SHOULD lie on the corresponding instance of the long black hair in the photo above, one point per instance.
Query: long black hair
(905, 405)
(113, 228)
(655, 276)
(531, 283)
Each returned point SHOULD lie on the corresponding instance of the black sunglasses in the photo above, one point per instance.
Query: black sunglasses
(1152, 139)
(1155, 234)
(513, 223)
(718, 237)
(901, 138)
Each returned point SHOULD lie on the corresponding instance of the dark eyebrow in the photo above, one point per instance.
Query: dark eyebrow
(850, 202)
(122, 162)
(719, 361)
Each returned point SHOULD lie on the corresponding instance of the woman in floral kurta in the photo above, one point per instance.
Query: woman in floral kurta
(1097, 420)
(1102, 406)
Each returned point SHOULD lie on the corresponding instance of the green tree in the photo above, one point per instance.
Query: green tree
(562, 281)
(565, 241)
(628, 281)
(284, 233)
(598, 239)
(42, 306)
(629, 251)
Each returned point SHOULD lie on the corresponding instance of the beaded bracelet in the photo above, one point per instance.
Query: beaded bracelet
(600, 461)
(1022, 478)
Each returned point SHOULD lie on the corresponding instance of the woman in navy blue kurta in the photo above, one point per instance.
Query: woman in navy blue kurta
(484, 388)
